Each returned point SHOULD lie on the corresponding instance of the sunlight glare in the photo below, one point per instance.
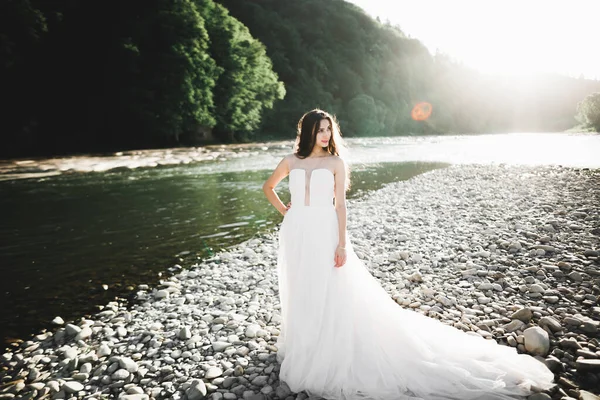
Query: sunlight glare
(506, 36)
(421, 111)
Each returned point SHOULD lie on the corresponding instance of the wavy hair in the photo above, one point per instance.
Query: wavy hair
(307, 136)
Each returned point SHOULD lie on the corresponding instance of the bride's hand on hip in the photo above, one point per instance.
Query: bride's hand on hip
(286, 209)
(340, 256)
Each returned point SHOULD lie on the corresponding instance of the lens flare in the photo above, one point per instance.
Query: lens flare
(421, 111)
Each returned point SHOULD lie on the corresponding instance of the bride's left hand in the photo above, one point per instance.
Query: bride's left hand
(340, 256)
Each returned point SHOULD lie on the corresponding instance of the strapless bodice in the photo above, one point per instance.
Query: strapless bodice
(314, 188)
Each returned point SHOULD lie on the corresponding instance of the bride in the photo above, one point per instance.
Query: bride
(342, 335)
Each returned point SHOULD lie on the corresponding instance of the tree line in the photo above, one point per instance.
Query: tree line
(80, 77)
(371, 74)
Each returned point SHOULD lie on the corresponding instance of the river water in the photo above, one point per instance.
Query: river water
(77, 232)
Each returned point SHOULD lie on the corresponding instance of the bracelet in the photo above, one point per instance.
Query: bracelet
(341, 247)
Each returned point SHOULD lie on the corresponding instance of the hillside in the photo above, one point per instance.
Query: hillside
(332, 55)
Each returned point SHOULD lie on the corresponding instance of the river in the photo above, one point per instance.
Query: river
(79, 231)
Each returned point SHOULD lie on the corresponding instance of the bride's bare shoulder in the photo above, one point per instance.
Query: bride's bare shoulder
(289, 158)
(338, 161)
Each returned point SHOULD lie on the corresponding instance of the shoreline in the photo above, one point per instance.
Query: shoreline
(567, 148)
(40, 167)
(488, 249)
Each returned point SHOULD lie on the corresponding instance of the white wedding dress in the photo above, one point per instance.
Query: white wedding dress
(344, 337)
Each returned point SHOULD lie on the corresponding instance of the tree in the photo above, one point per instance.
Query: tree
(366, 116)
(133, 74)
(331, 57)
(22, 29)
(588, 111)
(164, 71)
(248, 84)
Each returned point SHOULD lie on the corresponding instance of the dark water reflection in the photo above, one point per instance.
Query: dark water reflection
(62, 238)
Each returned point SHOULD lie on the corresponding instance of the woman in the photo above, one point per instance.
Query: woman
(342, 336)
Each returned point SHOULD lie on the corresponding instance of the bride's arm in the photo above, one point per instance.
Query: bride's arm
(281, 171)
(340, 199)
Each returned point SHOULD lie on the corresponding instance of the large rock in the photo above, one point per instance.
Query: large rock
(537, 341)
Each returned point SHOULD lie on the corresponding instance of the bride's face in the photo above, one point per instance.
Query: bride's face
(323, 133)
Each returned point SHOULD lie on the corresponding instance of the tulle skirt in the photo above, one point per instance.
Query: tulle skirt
(344, 337)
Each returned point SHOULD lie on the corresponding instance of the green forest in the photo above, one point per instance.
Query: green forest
(80, 77)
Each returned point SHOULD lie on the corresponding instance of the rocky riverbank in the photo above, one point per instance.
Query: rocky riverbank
(509, 253)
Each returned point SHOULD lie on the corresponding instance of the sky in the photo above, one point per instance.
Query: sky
(503, 36)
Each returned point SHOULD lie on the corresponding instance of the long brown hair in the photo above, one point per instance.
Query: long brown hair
(307, 136)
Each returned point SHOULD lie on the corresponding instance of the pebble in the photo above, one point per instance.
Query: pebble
(588, 365)
(213, 373)
(120, 374)
(72, 329)
(524, 315)
(72, 387)
(185, 333)
(104, 350)
(128, 364)
(197, 390)
(510, 268)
